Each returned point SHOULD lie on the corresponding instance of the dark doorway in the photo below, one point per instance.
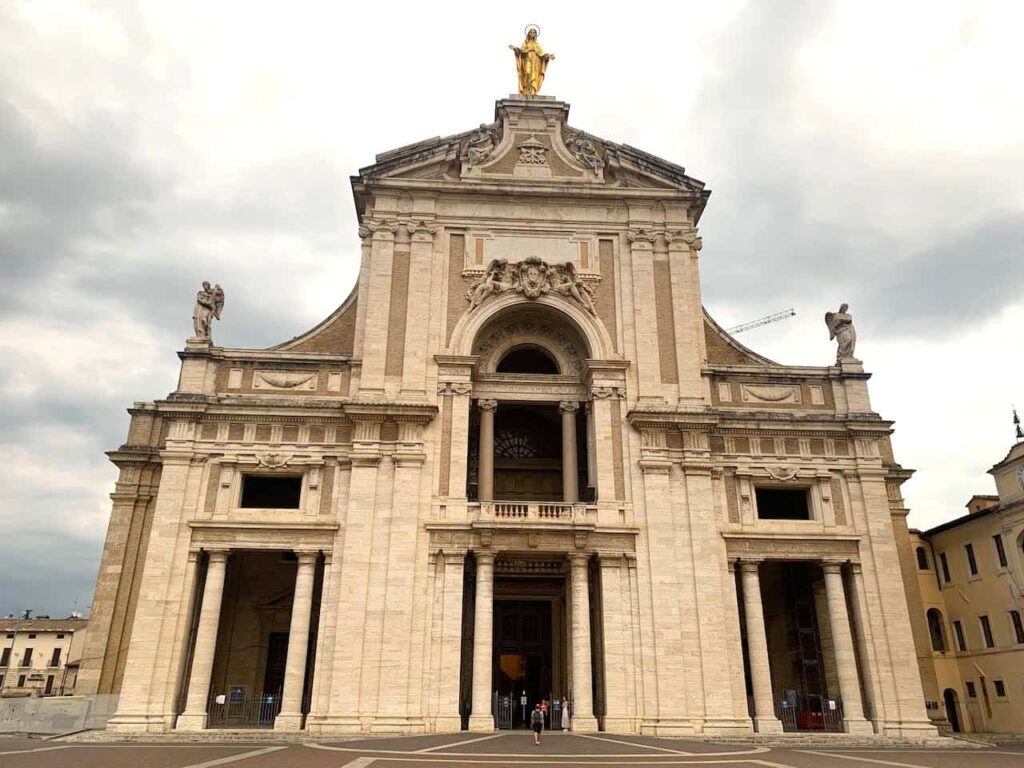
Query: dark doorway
(952, 709)
(277, 655)
(522, 652)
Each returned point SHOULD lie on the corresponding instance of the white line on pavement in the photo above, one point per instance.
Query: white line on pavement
(360, 762)
(30, 751)
(631, 744)
(235, 758)
(456, 743)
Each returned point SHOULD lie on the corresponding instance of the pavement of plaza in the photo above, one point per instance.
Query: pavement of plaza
(499, 749)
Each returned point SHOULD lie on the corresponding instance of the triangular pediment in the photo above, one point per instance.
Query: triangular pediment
(531, 143)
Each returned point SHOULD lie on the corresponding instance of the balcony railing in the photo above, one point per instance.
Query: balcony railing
(539, 511)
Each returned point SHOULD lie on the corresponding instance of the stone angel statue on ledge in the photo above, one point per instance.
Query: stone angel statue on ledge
(840, 328)
(209, 304)
(531, 62)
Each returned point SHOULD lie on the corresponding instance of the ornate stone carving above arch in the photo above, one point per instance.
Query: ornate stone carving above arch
(527, 327)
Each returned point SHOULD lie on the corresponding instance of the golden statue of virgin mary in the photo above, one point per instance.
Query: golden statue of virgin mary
(531, 62)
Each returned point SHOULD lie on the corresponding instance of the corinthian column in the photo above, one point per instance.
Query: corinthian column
(480, 718)
(290, 717)
(582, 704)
(570, 473)
(485, 478)
(842, 645)
(757, 650)
(194, 716)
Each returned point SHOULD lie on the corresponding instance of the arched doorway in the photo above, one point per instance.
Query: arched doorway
(950, 698)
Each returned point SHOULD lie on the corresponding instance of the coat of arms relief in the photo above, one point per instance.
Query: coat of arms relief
(532, 277)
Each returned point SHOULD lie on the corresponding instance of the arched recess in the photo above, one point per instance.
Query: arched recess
(596, 342)
(936, 631)
(528, 326)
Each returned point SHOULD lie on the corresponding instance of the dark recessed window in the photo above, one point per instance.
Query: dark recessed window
(527, 360)
(782, 504)
(945, 566)
(972, 563)
(972, 692)
(997, 539)
(935, 630)
(271, 491)
(1000, 687)
(986, 632)
(961, 640)
(1018, 626)
(922, 559)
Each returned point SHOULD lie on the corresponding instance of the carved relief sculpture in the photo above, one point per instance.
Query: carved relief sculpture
(481, 144)
(840, 328)
(583, 150)
(531, 62)
(533, 277)
(532, 152)
(209, 303)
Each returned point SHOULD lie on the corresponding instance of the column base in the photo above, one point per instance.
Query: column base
(481, 723)
(191, 721)
(858, 727)
(334, 724)
(726, 726)
(447, 724)
(582, 724)
(767, 725)
(288, 721)
(619, 725)
(137, 724)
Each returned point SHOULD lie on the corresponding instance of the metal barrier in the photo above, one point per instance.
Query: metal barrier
(248, 712)
(810, 713)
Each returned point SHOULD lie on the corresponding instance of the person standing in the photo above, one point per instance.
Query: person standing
(536, 723)
(566, 722)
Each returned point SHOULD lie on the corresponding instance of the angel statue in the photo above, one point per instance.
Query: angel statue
(209, 303)
(840, 328)
(571, 285)
(493, 282)
(531, 62)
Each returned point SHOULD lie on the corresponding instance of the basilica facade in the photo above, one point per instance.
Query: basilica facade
(519, 462)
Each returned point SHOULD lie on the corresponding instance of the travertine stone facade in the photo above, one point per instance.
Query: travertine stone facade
(531, 314)
(965, 588)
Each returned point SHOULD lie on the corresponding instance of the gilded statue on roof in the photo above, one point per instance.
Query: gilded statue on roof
(531, 62)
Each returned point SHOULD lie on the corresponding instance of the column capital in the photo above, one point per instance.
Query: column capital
(568, 406)
(855, 568)
(484, 557)
(218, 555)
(579, 559)
(750, 564)
(487, 405)
(832, 566)
(307, 557)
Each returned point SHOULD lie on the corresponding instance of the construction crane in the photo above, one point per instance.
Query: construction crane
(762, 321)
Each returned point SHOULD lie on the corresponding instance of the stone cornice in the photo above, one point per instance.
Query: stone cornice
(270, 357)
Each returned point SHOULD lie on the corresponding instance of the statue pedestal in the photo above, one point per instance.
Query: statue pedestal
(198, 367)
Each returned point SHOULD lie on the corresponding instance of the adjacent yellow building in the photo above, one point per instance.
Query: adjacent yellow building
(966, 594)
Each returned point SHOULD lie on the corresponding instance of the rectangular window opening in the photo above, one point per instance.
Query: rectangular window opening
(986, 632)
(945, 567)
(961, 641)
(1018, 627)
(782, 504)
(26, 660)
(972, 692)
(997, 539)
(55, 658)
(972, 563)
(1000, 687)
(271, 491)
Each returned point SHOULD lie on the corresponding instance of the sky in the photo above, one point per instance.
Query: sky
(862, 152)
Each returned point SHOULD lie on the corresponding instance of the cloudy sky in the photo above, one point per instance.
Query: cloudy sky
(868, 152)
